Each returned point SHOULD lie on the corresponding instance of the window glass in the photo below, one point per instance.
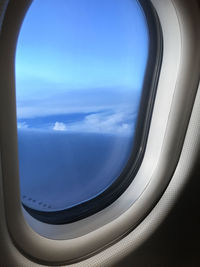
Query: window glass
(80, 67)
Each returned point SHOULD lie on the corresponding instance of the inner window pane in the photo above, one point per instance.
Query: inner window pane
(80, 67)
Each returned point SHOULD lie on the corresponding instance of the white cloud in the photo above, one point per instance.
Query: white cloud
(59, 126)
(118, 122)
(112, 123)
(22, 125)
(115, 123)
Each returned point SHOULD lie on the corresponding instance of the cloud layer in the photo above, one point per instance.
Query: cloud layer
(105, 122)
(115, 123)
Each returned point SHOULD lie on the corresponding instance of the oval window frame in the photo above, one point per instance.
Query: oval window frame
(121, 183)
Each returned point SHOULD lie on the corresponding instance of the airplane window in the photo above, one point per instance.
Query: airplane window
(80, 71)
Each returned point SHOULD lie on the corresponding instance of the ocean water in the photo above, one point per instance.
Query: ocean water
(60, 169)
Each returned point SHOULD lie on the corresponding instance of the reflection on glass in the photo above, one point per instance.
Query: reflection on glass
(80, 67)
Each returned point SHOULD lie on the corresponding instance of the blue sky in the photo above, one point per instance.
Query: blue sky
(81, 56)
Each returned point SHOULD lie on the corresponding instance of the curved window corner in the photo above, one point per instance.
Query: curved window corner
(85, 85)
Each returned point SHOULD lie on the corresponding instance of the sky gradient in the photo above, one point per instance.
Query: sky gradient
(80, 66)
(80, 56)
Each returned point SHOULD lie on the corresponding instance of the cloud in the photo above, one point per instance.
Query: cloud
(117, 122)
(74, 101)
(105, 123)
(59, 126)
(108, 123)
(22, 125)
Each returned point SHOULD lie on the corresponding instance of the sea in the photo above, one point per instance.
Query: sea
(59, 169)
